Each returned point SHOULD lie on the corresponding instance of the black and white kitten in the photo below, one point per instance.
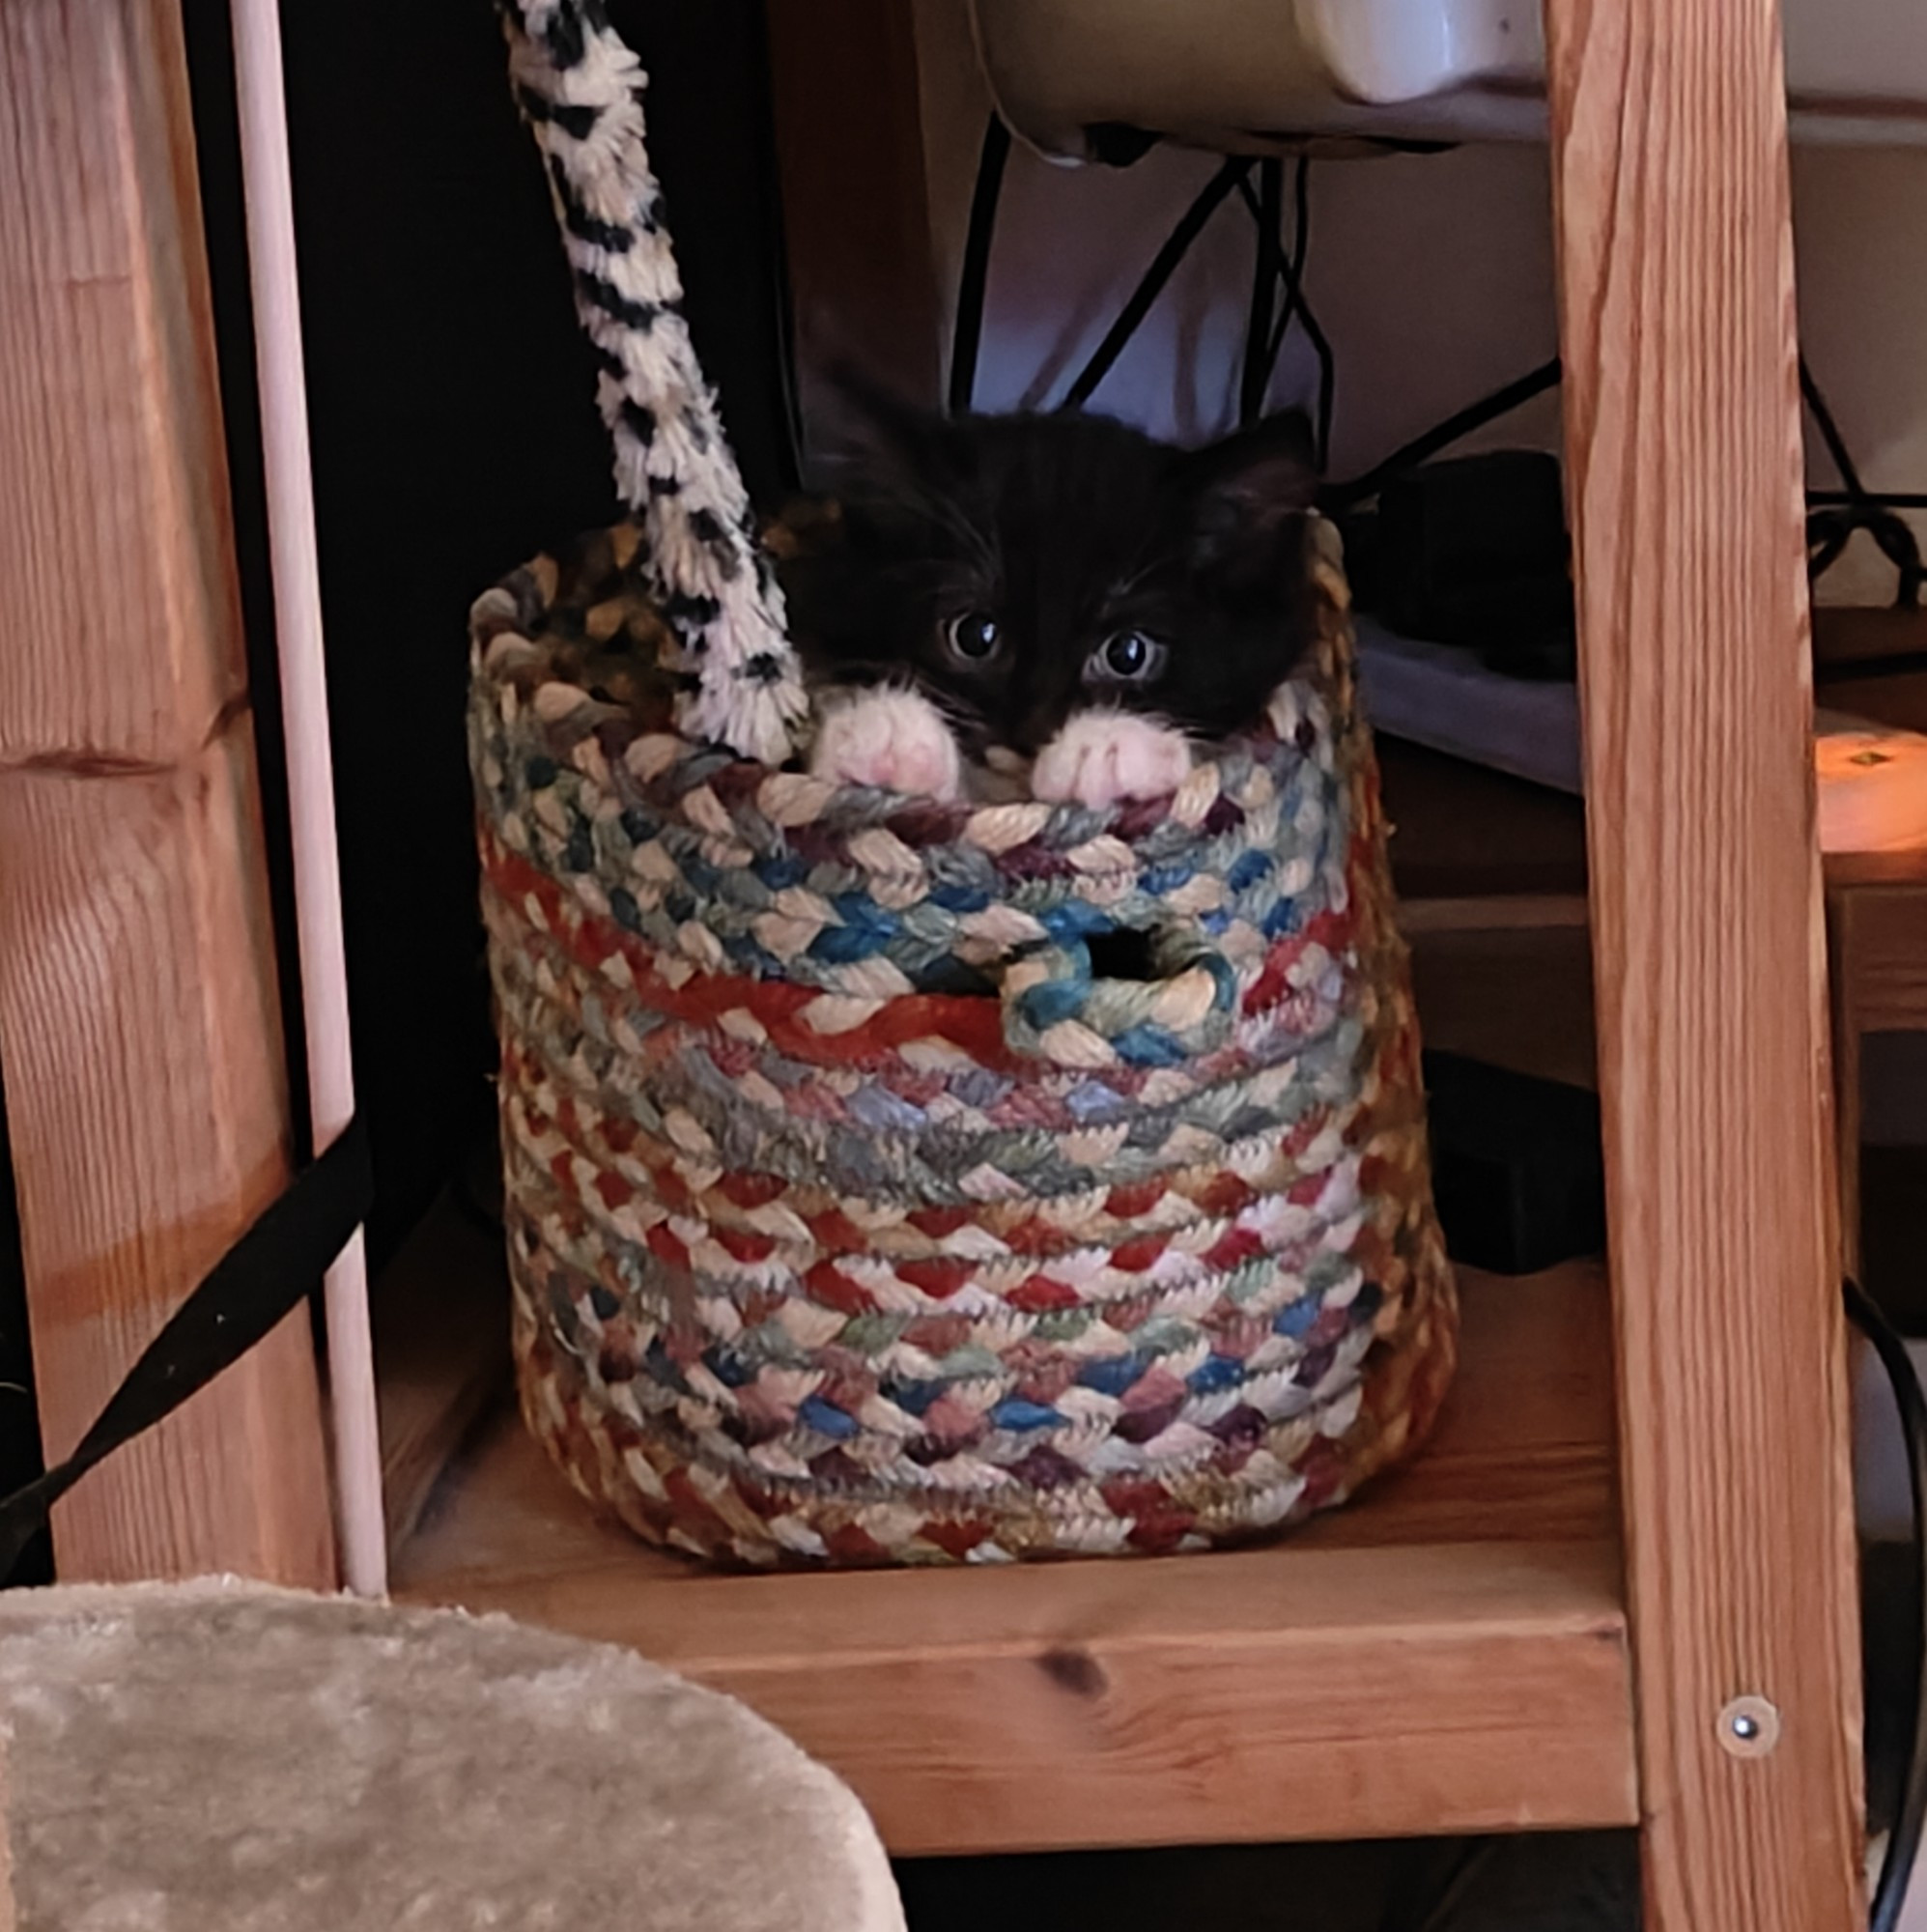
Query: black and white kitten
(1049, 604)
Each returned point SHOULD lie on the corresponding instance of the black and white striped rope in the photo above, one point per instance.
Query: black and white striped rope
(581, 91)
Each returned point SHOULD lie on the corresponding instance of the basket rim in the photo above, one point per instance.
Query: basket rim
(512, 647)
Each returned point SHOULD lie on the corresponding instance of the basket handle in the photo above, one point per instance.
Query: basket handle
(1057, 1007)
(581, 90)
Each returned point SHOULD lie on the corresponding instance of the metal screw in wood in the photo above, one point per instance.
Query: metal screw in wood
(1748, 1727)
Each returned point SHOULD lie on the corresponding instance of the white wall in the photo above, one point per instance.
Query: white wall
(1860, 216)
(1431, 275)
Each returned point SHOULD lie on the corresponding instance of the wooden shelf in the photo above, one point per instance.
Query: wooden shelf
(1461, 831)
(1448, 1655)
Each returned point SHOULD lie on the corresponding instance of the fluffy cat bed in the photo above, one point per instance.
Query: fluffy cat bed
(223, 1757)
(891, 1181)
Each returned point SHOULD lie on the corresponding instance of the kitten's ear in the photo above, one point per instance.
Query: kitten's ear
(1250, 492)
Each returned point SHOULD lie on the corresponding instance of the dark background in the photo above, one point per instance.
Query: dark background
(455, 432)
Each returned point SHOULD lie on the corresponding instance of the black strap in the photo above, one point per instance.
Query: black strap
(261, 1279)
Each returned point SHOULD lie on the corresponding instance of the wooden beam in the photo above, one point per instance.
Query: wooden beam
(1684, 474)
(139, 1027)
(855, 212)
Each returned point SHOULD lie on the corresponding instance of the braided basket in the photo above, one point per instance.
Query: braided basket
(855, 1215)
(852, 1219)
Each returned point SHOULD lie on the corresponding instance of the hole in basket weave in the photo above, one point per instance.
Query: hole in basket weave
(1129, 952)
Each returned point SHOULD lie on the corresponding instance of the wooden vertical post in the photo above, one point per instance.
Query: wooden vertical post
(139, 1028)
(855, 206)
(1683, 475)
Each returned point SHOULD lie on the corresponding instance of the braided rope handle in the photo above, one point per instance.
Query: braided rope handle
(580, 92)
(1057, 1007)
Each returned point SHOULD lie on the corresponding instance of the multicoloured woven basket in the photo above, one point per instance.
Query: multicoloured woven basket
(853, 1215)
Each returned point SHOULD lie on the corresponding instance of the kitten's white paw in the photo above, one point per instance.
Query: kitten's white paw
(894, 739)
(1102, 757)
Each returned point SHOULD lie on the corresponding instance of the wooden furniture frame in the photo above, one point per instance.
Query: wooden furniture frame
(140, 1020)
(1638, 1510)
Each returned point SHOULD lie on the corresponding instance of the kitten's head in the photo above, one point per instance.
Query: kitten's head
(1023, 568)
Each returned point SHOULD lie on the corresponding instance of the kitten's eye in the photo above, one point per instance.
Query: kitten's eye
(1128, 657)
(974, 637)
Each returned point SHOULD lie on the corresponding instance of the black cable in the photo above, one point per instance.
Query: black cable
(1151, 285)
(1422, 448)
(1834, 516)
(1891, 500)
(1291, 270)
(1301, 306)
(1261, 347)
(261, 1280)
(1829, 435)
(1902, 1843)
(1301, 220)
(973, 284)
(1829, 529)
(1301, 241)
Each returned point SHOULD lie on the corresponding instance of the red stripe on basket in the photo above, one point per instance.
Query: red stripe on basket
(975, 1025)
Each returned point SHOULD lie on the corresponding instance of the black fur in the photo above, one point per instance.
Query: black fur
(1066, 531)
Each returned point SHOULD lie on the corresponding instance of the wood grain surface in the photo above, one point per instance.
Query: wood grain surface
(139, 1027)
(1447, 1654)
(1684, 477)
